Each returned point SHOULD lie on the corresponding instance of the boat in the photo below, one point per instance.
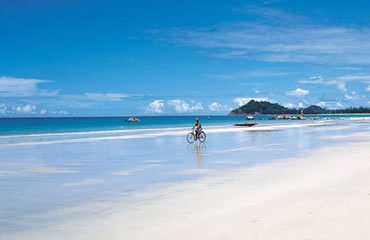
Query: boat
(245, 124)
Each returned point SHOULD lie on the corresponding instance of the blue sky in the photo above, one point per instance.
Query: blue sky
(104, 58)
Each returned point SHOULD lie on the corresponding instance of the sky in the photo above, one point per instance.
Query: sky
(122, 58)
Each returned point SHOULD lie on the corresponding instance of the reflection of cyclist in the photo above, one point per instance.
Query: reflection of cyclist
(197, 127)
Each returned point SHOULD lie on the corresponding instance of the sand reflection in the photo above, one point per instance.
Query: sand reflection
(198, 152)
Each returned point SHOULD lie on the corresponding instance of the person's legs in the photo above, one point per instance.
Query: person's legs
(198, 132)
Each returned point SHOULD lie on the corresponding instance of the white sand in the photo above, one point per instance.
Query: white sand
(324, 195)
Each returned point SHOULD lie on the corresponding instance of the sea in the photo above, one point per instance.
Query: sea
(25, 126)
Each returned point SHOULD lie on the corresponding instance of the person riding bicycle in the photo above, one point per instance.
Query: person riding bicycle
(197, 133)
(197, 127)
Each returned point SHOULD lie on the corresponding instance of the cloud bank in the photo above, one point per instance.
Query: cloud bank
(174, 105)
(217, 107)
(22, 87)
(157, 106)
(244, 100)
(287, 41)
(26, 109)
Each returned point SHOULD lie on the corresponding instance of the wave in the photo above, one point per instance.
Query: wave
(86, 133)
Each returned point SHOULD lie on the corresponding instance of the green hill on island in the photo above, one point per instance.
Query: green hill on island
(264, 107)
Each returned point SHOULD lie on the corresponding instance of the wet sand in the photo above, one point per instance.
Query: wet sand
(318, 193)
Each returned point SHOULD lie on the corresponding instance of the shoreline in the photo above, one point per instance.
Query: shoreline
(134, 127)
(159, 129)
(323, 195)
(149, 133)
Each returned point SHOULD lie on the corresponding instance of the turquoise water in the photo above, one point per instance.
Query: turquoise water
(13, 126)
(16, 126)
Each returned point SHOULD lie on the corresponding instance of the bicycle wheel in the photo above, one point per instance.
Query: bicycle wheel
(190, 138)
(202, 137)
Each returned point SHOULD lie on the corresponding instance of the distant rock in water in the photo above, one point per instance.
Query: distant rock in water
(133, 119)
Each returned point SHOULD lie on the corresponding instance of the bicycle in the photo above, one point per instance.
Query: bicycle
(192, 136)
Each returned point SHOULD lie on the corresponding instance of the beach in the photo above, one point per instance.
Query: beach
(184, 120)
(287, 181)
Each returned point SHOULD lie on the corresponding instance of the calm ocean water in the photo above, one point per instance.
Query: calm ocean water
(15, 126)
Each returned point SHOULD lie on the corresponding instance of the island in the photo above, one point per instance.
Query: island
(267, 108)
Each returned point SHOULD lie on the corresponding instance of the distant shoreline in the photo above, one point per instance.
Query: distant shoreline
(29, 126)
(267, 108)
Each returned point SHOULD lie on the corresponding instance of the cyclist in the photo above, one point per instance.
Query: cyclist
(197, 128)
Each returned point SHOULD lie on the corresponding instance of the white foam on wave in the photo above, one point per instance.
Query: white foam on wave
(89, 132)
(219, 128)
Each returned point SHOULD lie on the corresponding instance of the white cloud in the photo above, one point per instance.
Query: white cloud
(26, 109)
(75, 101)
(88, 100)
(272, 14)
(354, 77)
(21, 87)
(313, 80)
(288, 41)
(321, 104)
(341, 81)
(338, 82)
(301, 105)
(60, 112)
(339, 105)
(216, 107)
(254, 73)
(242, 101)
(182, 106)
(298, 92)
(43, 111)
(289, 105)
(352, 96)
(107, 96)
(176, 105)
(3, 108)
(156, 106)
